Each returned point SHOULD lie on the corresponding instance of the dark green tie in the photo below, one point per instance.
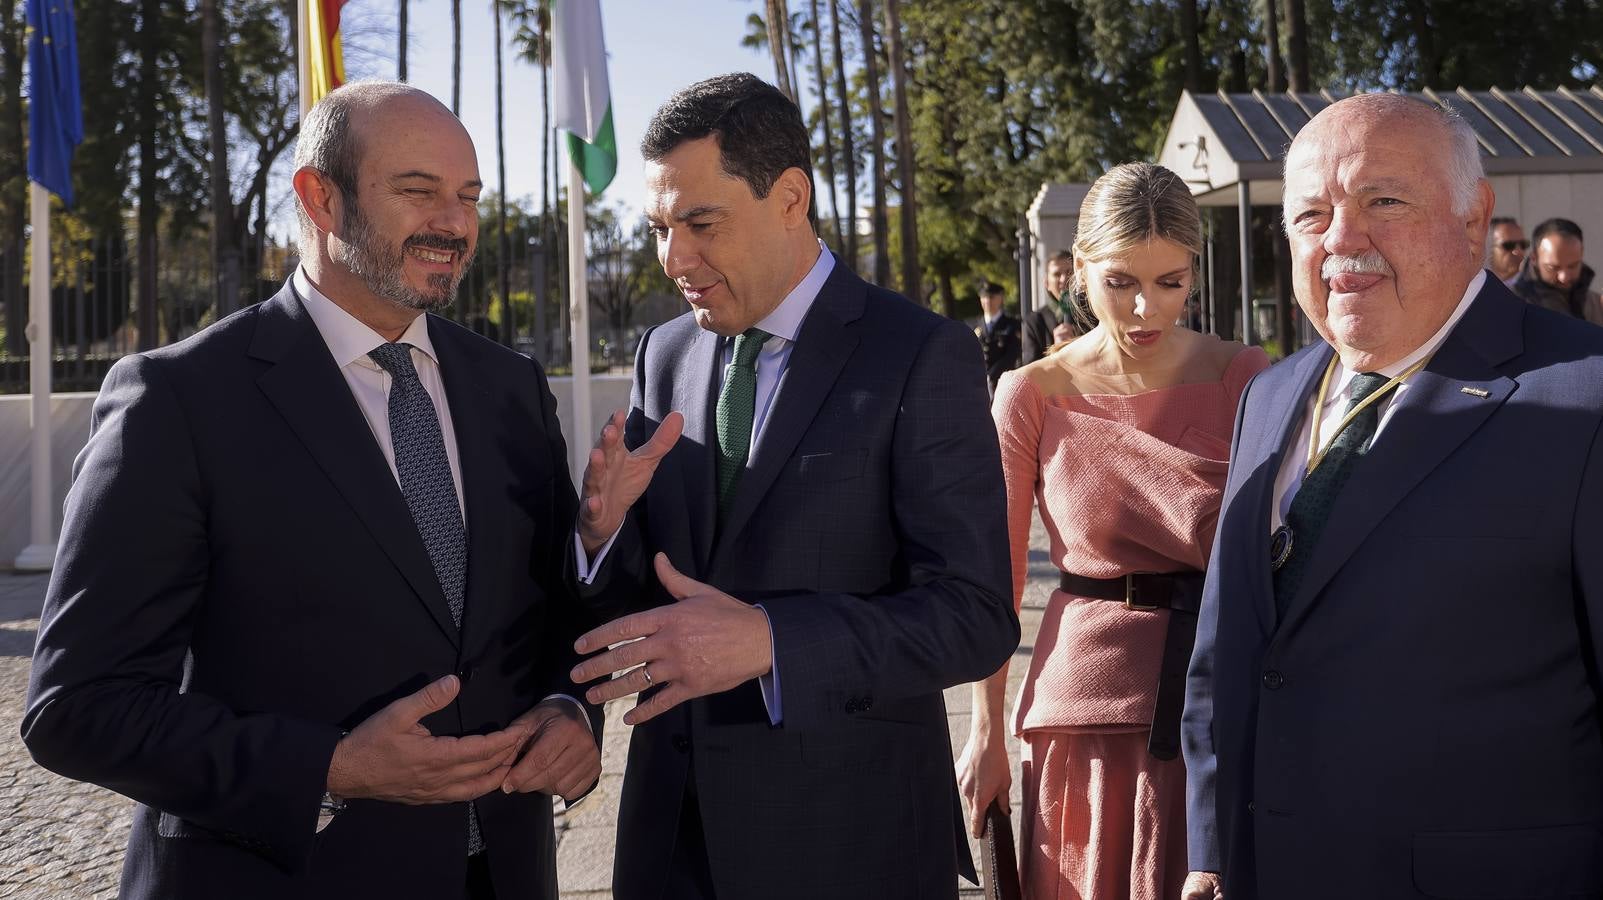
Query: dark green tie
(737, 402)
(1320, 488)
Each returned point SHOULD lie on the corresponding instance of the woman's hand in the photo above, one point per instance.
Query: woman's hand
(984, 775)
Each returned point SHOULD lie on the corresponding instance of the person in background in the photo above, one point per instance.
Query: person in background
(1507, 249)
(1556, 276)
(999, 334)
(1121, 440)
(1059, 320)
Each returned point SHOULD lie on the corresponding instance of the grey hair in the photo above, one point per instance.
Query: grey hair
(1463, 169)
(329, 144)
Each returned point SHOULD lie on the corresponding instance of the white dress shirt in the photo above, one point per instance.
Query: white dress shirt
(349, 340)
(783, 324)
(1295, 465)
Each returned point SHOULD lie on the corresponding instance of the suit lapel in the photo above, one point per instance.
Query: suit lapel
(695, 454)
(310, 393)
(1432, 419)
(822, 348)
(473, 423)
(1289, 400)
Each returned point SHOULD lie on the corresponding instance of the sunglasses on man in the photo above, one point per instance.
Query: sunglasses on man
(1511, 246)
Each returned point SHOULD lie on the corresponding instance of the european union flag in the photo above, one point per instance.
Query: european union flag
(55, 114)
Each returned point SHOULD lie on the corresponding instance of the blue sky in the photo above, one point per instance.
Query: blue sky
(655, 47)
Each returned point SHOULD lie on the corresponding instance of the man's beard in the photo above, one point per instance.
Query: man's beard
(365, 253)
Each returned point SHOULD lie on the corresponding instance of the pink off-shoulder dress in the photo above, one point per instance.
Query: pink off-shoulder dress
(1125, 483)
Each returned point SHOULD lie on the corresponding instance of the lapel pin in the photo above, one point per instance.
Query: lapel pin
(1475, 392)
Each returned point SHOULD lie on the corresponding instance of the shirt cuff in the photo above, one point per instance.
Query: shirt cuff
(770, 683)
(587, 567)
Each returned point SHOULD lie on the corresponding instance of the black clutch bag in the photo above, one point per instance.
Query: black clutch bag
(999, 861)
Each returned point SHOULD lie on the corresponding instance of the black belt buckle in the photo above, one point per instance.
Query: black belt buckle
(1130, 602)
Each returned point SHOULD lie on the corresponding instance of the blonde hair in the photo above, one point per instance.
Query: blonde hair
(1127, 207)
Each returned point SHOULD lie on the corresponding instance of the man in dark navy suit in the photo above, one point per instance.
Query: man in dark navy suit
(314, 607)
(821, 553)
(1000, 334)
(1394, 693)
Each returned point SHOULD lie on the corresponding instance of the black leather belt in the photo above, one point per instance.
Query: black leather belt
(1181, 594)
(1179, 591)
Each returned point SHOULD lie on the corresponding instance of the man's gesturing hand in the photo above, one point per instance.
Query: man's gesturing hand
(614, 477)
(391, 756)
(705, 643)
(1202, 886)
(562, 757)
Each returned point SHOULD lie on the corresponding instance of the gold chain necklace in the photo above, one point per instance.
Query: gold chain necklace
(1315, 454)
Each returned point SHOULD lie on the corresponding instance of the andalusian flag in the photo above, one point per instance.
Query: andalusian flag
(322, 61)
(583, 101)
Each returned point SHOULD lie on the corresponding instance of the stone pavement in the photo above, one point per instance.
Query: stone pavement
(62, 839)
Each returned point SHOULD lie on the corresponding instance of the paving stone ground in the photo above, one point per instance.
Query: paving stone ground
(63, 839)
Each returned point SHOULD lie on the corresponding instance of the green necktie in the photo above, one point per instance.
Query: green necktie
(737, 402)
(1317, 494)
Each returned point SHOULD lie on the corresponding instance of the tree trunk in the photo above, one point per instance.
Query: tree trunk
(823, 119)
(776, 21)
(13, 181)
(1297, 46)
(503, 267)
(1277, 78)
(147, 114)
(224, 245)
(943, 281)
(400, 74)
(456, 57)
(912, 282)
(1193, 44)
(1430, 63)
(848, 152)
(876, 117)
(547, 166)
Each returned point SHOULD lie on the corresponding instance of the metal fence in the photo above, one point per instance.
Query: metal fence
(95, 319)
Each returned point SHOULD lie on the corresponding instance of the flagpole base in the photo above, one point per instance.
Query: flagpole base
(36, 558)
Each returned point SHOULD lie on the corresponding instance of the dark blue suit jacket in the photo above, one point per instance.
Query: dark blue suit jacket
(1424, 722)
(239, 580)
(871, 525)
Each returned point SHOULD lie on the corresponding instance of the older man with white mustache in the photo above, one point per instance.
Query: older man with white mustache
(1394, 692)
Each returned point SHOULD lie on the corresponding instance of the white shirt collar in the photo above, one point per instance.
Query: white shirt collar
(349, 339)
(1345, 377)
(786, 319)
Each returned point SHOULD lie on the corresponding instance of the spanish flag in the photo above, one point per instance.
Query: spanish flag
(322, 60)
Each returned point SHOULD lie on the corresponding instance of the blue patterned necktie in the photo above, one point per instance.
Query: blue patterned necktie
(1310, 508)
(430, 492)
(737, 405)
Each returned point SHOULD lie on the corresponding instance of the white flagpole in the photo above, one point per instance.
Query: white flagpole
(582, 438)
(40, 554)
(303, 65)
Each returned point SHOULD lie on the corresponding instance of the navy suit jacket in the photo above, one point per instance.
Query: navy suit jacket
(1424, 721)
(239, 580)
(871, 525)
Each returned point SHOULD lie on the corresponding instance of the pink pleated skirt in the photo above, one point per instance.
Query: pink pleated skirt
(1102, 820)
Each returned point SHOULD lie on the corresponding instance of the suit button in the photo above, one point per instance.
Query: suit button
(1273, 680)
(681, 743)
(866, 704)
(465, 674)
(1252, 807)
(851, 705)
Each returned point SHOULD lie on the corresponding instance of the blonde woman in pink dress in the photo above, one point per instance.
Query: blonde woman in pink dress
(1121, 438)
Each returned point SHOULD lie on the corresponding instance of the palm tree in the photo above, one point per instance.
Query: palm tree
(778, 21)
(912, 283)
(823, 118)
(876, 121)
(533, 38)
(504, 257)
(225, 250)
(843, 100)
(456, 57)
(400, 75)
